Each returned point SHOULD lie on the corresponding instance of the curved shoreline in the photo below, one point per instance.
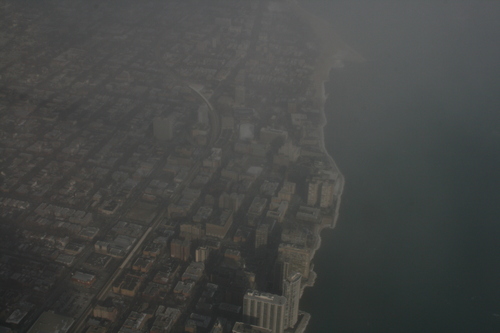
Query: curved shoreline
(333, 51)
(330, 45)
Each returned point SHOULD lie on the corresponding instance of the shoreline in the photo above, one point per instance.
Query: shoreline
(332, 52)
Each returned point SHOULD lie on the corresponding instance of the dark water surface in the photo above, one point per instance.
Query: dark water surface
(416, 132)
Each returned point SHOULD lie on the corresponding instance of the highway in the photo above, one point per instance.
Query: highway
(104, 290)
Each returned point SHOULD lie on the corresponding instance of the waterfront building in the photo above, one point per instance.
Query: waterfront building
(280, 272)
(291, 290)
(313, 188)
(298, 258)
(327, 193)
(265, 310)
(240, 327)
(309, 214)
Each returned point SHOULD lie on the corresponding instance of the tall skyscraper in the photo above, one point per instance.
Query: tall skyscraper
(291, 290)
(265, 310)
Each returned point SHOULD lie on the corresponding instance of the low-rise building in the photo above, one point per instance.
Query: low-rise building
(51, 322)
(240, 327)
(165, 320)
(83, 279)
(105, 310)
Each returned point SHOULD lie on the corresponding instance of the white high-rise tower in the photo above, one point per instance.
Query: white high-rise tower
(291, 290)
(265, 310)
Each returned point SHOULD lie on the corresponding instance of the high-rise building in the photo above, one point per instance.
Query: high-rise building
(180, 249)
(321, 190)
(164, 127)
(231, 201)
(291, 290)
(313, 188)
(192, 230)
(287, 153)
(264, 310)
(327, 193)
(281, 269)
(287, 191)
(256, 210)
(261, 236)
(202, 253)
(219, 226)
(247, 132)
(105, 310)
(298, 258)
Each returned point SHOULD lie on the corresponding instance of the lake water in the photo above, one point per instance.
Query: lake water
(416, 132)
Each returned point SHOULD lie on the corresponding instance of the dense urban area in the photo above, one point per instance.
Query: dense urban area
(162, 166)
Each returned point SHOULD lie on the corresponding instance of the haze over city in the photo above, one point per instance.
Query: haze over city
(249, 166)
